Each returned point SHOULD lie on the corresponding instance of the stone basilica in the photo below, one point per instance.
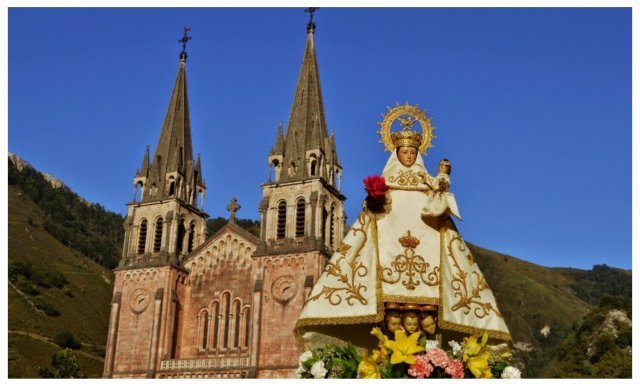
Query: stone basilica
(188, 305)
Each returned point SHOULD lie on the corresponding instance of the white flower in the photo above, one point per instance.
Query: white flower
(299, 372)
(318, 370)
(432, 344)
(510, 373)
(305, 356)
(455, 347)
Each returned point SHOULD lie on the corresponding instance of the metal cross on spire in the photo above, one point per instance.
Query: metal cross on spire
(184, 40)
(311, 26)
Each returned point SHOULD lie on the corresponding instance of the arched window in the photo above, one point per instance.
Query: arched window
(216, 323)
(192, 237)
(200, 199)
(300, 208)
(313, 167)
(238, 316)
(274, 171)
(157, 238)
(227, 316)
(205, 329)
(247, 326)
(181, 233)
(142, 238)
(137, 194)
(172, 186)
(282, 219)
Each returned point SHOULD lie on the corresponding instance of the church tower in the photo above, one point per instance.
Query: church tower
(164, 223)
(302, 218)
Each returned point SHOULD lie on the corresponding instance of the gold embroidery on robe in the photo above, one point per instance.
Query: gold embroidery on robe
(353, 269)
(408, 178)
(468, 300)
(408, 265)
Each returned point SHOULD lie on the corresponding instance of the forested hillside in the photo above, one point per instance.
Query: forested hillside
(86, 227)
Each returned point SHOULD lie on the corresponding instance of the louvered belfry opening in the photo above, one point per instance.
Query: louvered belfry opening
(157, 239)
(142, 239)
(282, 220)
(300, 208)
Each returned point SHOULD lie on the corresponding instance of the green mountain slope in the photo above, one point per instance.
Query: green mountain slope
(82, 303)
(530, 296)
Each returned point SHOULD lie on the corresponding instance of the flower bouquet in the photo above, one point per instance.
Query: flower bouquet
(410, 357)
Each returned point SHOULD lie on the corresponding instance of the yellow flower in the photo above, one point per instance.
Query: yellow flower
(479, 365)
(383, 340)
(404, 347)
(378, 333)
(471, 346)
(378, 356)
(368, 367)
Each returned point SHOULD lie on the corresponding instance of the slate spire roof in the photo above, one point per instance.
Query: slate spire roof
(173, 155)
(307, 127)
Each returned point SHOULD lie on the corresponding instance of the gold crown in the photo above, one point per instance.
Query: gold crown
(409, 241)
(406, 139)
(407, 115)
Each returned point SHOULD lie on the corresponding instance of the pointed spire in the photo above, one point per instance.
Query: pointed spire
(307, 128)
(144, 168)
(199, 179)
(173, 156)
(278, 147)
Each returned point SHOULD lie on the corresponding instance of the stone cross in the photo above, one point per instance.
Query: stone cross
(233, 207)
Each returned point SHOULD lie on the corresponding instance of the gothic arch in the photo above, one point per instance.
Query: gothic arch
(171, 190)
(138, 191)
(274, 170)
(313, 165)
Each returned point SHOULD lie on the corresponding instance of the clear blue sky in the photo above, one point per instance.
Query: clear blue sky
(532, 107)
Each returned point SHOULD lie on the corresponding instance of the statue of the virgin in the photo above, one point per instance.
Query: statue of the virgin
(402, 263)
